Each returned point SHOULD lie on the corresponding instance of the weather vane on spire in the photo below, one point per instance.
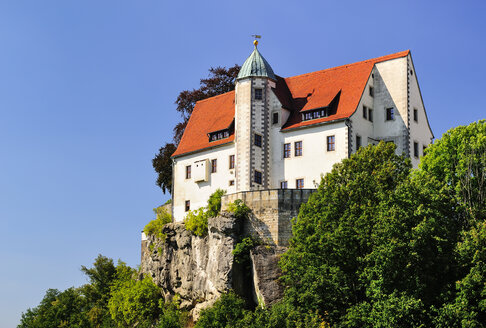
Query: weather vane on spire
(256, 36)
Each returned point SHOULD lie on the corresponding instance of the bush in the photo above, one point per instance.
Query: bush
(239, 209)
(241, 253)
(154, 227)
(197, 220)
(228, 311)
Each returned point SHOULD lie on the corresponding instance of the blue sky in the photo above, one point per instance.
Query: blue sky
(87, 92)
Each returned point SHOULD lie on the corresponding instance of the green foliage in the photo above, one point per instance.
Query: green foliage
(101, 277)
(155, 227)
(172, 316)
(368, 233)
(196, 221)
(135, 303)
(458, 161)
(239, 209)
(58, 309)
(241, 252)
(226, 312)
(214, 203)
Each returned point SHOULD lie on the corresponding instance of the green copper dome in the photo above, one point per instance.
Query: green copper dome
(256, 65)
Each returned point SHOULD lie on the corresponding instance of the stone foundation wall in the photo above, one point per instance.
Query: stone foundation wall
(272, 212)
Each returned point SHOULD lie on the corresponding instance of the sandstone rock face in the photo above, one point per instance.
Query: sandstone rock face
(198, 269)
(267, 289)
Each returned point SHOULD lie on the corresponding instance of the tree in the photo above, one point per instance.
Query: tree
(371, 240)
(97, 292)
(220, 80)
(134, 303)
(57, 309)
(458, 162)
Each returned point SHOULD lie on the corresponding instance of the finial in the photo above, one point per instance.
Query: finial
(256, 36)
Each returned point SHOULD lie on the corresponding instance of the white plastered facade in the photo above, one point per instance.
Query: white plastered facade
(394, 86)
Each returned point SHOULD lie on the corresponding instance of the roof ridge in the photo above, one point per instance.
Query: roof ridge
(377, 59)
(213, 97)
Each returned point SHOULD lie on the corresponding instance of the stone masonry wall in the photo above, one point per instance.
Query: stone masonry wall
(272, 212)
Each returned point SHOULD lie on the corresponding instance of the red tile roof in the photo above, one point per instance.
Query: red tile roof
(209, 115)
(298, 94)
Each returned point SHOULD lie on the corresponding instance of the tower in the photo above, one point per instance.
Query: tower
(252, 121)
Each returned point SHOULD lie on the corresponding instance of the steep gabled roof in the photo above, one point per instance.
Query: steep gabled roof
(318, 89)
(209, 115)
(344, 84)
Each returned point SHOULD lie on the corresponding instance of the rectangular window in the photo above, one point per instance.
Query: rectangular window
(258, 94)
(331, 143)
(390, 114)
(258, 177)
(423, 150)
(188, 172)
(415, 149)
(214, 165)
(232, 182)
(372, 92)
(188, 205)
(275, 118)
(358, 142)
(286, 150)
(283, 184)
(299, 183)
(415, 115)
(232, 162)
(258, 140)
(370, 114)
(365, 112)
(298, 148)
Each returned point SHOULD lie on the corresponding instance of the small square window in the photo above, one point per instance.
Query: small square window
(214, 165)
(372, 92)
(188, 172)
(283, 184)
(415, 114)
(258, 94)
(286, 150)
(365, 112)
(275, 118)
(415, 149)
(358, 142)
(298, 148)
(232, 182)
(258, 177)
(390, 114)
(232, 162)
(299, 183)
(370, 114)
(258, 140)
(331, 140)
(188, 205)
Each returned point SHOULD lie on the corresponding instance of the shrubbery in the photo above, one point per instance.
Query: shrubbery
(196, 221)
(154, 227)
(239, 209)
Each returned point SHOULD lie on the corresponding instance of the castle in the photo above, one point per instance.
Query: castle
(272, 138)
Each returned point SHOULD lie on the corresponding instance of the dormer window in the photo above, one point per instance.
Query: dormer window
(315, 114)
(218, 135)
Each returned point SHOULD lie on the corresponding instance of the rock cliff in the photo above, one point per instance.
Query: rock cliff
(200, 269)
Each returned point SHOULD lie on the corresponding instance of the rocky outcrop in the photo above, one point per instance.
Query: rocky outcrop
(267, 289)
(200, 269)
(197, 269)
